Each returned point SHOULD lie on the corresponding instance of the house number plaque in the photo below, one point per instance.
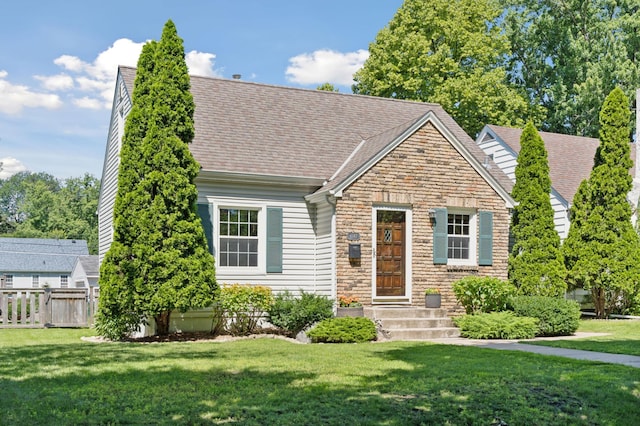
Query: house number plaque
(353, 236)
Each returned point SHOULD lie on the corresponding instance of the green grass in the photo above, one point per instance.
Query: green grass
(623, 337)
(52, 377)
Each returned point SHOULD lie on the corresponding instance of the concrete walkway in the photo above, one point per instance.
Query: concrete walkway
(516, 345)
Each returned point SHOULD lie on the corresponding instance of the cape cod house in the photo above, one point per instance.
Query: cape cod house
(570, 162)
(332, 193)
(38, 262)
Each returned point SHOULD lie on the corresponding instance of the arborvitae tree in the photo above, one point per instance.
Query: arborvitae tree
(158, 260)
(536, 266)
(602, 251)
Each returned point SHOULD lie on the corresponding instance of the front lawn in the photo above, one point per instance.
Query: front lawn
(52, 377)
(623, 337)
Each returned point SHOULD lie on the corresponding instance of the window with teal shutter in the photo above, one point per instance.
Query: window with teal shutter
(274, 240)
(440, 237)
(205, 211)
(485, 243)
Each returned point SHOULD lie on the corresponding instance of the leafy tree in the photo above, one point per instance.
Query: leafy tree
(328, 87)
(13, 191)
(449, 52)
(158, 260)
(536, 266)
(569, 55)
(602, 251)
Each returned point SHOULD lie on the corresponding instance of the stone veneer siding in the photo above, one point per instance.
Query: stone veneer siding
(423, 172)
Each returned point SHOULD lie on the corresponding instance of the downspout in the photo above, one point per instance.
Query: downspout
(331, 199)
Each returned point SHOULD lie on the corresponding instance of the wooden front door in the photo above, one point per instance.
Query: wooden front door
(390, 253)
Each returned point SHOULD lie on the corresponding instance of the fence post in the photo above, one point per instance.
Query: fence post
(48, 315)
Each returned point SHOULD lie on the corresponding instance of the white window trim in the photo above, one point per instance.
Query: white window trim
(261, 269)
(408, 253)
(35, 281)
(473, 237)
(62, 285)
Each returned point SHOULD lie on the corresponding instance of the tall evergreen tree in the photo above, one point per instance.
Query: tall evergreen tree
(450, 52)
(536, 266)
(158, 260)
(602, 251)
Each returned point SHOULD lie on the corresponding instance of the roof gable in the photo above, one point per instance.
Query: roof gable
(570, 157)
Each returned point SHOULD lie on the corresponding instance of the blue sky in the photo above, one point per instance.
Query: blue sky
(58, 61)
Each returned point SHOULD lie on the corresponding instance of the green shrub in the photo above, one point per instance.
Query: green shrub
(496, 325)
(295, 313)
(483, 294)
(241, 307)
(557, 316)
(343, 330)
(117, 327)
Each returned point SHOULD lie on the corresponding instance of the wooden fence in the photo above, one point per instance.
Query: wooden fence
(47, 307)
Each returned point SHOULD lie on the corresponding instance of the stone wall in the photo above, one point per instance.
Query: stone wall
(422, 173)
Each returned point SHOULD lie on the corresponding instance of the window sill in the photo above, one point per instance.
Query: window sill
(462, 268)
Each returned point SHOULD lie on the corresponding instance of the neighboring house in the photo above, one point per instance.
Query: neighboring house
(85, 271)
(38, 262)
(570, 162)
(334, 193)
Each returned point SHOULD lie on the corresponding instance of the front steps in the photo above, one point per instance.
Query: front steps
(411, 323)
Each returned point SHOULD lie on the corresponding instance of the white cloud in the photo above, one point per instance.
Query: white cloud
(10, 166)
(16, 97)
(96, 80)
(325, 66)
(201, 63)
(56, 82)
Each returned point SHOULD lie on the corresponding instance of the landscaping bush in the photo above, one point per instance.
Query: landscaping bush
(496, 325)
(557, 316)
(242, 306)
(343, 330)
(483, 294)
(295, 313)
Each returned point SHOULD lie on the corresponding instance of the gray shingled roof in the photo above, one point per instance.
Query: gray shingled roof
(570, 157)
(90, 264)
(245, 127)
(40, 255)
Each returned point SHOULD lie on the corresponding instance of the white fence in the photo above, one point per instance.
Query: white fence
(47, 307)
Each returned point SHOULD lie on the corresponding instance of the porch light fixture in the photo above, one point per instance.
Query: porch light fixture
(432, 215)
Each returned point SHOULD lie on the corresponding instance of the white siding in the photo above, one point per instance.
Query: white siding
(506, 160)
(109, 181)
(25, 280)
(302, 248)
(325, 250)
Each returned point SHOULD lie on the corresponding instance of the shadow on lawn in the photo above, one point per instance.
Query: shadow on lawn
(423, 384)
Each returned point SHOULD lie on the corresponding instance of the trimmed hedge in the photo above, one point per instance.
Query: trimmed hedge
(557, 316)
(295, 313)
(343, 330)
(496, 325)
(483, 294)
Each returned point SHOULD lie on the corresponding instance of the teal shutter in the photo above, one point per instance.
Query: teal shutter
(274, 239)
(440, 238)
(205, 211)
(485, 243)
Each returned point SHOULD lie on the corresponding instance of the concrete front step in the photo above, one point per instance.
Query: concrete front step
(411, 323)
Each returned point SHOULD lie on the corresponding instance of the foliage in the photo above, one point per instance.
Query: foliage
(536, 266)
(295, 313)
(602, 251)
(346, 301)
(483, 294)
(557, 316)
(569, 55)
(37, 205)
(243, 306)
(496, 325)
(431, 291)
(116, 327)
(343, 330)
(450, 53)
(327, 87)
(158, 260)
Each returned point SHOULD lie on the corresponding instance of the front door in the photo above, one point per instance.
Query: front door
(390, 253)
